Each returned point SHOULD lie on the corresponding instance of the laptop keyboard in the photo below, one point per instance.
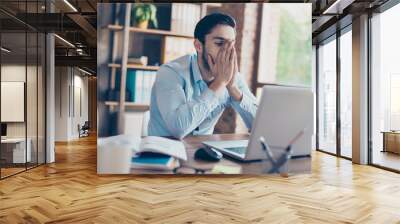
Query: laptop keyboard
(237, 150)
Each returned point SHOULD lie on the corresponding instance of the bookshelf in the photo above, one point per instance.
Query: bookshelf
(174, 34)
(135, 66)
(129, 105)
(150, 31)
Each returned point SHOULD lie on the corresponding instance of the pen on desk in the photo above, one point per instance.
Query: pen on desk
(267, 151)
(287, 154)
(281, 160)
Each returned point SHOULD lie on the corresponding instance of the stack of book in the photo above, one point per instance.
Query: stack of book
(142, 60)
(154, 161)
(139, 84)
(184, 18)
(158, 153)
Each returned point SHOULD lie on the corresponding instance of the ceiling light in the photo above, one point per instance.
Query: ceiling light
(84, 71)
(5, 50)
(65, 41)
(338, 6)
(329, 9)
(70, 5)
(79, 51)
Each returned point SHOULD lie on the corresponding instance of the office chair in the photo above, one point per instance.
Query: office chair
(84, 130)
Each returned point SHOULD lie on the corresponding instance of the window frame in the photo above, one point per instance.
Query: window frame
(333, 37)
(381, 9)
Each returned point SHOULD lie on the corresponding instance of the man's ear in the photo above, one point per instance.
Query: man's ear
(198, 45)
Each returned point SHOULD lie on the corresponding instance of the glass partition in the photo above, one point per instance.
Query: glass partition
(385, 89)
(327, 96)
(13, 105)
(346, 94)
(31, 97)
(22, 89)
(41, 96)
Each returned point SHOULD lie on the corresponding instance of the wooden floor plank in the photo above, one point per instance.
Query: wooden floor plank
(70, 191)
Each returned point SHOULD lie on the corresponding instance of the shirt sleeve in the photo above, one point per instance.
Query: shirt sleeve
(247, 107)
(181, 116)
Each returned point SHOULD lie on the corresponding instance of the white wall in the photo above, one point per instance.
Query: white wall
(12, 73)
(34, 125)
(61, 103)
(79, 117)
(70, 84)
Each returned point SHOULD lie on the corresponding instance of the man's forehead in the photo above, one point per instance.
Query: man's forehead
(223, 38)
(222, 32)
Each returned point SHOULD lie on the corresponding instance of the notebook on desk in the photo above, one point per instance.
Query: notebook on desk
(162, 145)
(154, 161)
(237, 148)
(158, 153)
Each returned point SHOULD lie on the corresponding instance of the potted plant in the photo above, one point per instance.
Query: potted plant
(143, 13)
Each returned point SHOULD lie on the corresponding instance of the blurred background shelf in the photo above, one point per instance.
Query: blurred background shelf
(130, 82)
(129, 105)
(150, 31)
(171, 38)
(134, 66)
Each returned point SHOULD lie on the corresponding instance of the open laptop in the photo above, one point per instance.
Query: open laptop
(283, 112)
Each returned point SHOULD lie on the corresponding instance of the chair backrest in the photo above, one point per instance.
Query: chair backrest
(86, 125)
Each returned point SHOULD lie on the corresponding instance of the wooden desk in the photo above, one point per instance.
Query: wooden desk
(192, 143)
(14, 152)
(391, 141)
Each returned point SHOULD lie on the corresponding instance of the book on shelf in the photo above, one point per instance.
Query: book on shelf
(141, 87)
(143, 60)
(184, 17)
(175, 47)
(130, 84)
(138, 86)
(146, 86)
(114, 94)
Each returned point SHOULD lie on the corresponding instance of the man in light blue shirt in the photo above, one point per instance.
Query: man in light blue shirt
(191, 92)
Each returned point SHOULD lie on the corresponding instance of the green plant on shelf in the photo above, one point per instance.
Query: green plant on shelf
(143, 13)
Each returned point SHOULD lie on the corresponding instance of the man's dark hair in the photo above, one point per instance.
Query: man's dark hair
(207, 23)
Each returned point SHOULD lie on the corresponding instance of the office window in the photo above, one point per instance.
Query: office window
(314, 89)
(394, 102)
(327, 96)
(285, 58)
(385, 88)
(346, 94)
